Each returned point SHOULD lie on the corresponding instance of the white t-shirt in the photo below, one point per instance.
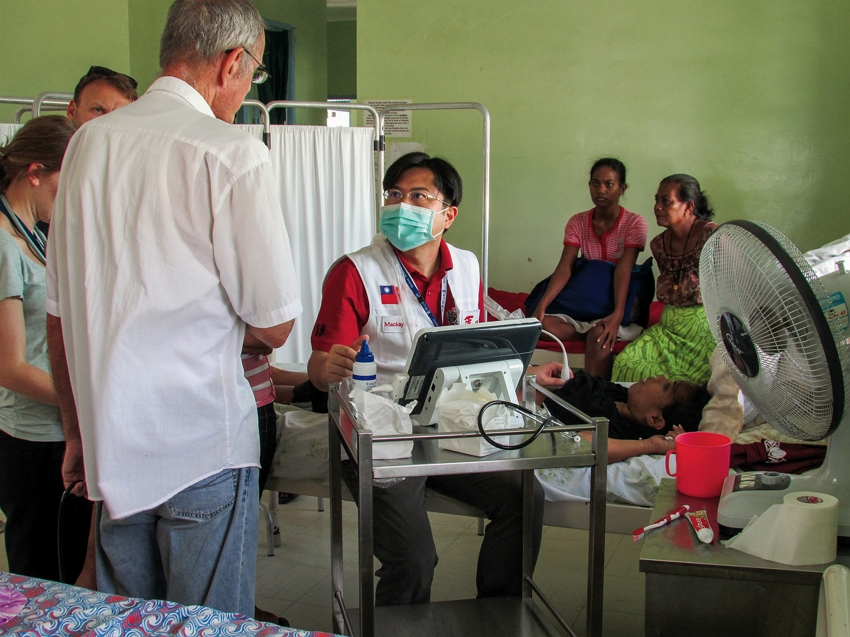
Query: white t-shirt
(166, 239)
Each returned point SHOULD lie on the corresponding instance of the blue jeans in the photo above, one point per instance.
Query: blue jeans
(199, 547)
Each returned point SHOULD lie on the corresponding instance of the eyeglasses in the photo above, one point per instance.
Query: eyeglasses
(418, 198)
(261, 73)
(102, 71)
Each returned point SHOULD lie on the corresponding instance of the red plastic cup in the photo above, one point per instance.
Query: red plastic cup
(702, 463)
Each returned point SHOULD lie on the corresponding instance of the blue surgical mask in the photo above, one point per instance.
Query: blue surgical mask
(406, 226)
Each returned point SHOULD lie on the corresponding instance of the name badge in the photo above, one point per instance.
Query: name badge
(392, 324)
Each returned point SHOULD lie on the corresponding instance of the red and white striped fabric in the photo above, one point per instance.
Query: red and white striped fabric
(259, 374)
(629, 231)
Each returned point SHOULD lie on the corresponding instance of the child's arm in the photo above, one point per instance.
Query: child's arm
(622, 278)
(285, 377)
(561, 276)
(624, 449)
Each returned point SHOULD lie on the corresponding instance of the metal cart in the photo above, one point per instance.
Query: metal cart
(495, 616)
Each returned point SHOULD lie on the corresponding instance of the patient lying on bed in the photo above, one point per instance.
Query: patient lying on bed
(643, 419)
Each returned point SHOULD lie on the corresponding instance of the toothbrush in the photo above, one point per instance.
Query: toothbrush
(677, 513)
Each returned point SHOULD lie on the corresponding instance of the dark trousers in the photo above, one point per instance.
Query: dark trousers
(268, 441)
(30, 491)
(405, 547)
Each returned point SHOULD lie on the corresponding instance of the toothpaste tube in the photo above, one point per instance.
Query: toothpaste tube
(699, 520)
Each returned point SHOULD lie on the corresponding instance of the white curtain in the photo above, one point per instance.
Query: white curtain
(255, 129)
(327, 190)
(7, 132)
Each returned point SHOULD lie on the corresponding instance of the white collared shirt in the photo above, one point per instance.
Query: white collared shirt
(167, 237)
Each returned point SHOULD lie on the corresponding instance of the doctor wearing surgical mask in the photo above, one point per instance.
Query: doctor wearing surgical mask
(407, 279)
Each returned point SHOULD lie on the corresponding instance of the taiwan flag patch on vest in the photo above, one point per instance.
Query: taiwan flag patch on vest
(389, 295)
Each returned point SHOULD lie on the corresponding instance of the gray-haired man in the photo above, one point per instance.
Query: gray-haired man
(167, 245)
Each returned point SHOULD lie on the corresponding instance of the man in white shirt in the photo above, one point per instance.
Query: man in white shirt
(167, 245)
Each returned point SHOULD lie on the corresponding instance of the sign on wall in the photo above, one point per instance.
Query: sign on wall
(396, 123)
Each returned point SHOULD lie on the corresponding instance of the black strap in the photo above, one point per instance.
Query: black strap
(34, 238)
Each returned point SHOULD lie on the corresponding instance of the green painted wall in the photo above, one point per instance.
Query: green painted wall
(309, 17)
(342, 58)
(147, 19)
(48, 45)
(749, 96)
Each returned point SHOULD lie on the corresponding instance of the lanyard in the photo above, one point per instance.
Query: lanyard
(416, 293)
(34, 238)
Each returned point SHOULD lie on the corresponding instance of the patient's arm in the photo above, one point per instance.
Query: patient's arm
(284, 383)
(624, 449)
(286, 377)
(333, 366)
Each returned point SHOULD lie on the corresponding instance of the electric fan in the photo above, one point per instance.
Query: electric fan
(783, 330)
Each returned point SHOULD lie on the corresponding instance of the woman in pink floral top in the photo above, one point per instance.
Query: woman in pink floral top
(680, 345)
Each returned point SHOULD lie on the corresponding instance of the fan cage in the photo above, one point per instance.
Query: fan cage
(803, 367)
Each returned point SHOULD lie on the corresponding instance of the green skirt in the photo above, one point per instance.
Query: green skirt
(679, 346)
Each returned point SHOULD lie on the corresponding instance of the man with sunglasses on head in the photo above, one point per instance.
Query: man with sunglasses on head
(100, 91)
(167, 248)
(409, 278)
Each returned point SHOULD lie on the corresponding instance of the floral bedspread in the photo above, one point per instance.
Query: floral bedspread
(32, 607)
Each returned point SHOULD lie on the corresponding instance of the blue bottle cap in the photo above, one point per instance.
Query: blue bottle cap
(365, 354)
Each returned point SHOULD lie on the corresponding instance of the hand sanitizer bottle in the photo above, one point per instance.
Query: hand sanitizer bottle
(365, 372)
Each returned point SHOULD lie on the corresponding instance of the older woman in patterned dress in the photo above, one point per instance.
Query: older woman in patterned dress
(680, 345)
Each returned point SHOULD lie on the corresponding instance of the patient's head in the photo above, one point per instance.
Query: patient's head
(100, 91)
(661, 403)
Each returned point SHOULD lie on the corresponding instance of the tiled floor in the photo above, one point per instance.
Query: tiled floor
(295, 582)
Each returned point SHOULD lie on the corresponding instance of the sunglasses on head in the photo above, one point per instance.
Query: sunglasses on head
(102, 71)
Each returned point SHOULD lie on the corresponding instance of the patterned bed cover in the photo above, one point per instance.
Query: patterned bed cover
(35, 608)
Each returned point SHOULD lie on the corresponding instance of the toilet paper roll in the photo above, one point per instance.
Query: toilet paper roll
(801, 530)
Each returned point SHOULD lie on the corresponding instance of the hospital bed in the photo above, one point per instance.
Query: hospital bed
(632, 484)
(300, 466)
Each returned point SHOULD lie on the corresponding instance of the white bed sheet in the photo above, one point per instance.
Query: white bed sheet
(633, 481)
